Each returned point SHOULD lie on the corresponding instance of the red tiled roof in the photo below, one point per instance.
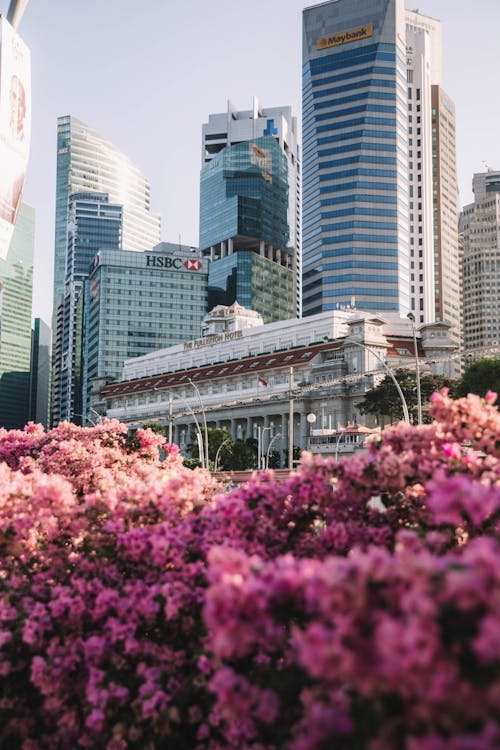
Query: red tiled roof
(259, 364)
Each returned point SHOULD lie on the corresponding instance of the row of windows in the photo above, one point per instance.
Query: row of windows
(383, 121)
(349, 58)
(361, 291)
(360, 159)
(312, 142)
(360, 264)
(334, 114)
(342, 278)
(386, 186)
(369, 71)
(340, 199)
(347, 251)
(389, 239)
(360, 171)
(367, 83)
(386, 95)
(352, 211)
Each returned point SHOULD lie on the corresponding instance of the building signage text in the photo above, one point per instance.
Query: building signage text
(162, 261)
(345, 37)
(215, 338)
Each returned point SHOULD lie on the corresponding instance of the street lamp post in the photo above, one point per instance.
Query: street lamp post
(227, 440)
(311, 419)
(204, 419)
(199, 437)
(275, 437)
(260, 445)
(411, 318)
(337, 445)
(290, 423)
(98, 416)
(406, 413)
(86, 418)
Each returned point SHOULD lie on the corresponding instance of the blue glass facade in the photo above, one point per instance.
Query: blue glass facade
(254, 282)
(244, 202)
(244, 191)
(355, 176)
(93, 223)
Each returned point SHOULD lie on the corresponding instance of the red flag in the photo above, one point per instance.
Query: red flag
(263, 382)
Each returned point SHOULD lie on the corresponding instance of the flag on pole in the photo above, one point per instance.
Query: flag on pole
(263, 382)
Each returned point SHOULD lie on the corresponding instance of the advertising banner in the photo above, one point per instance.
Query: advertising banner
(15, 127)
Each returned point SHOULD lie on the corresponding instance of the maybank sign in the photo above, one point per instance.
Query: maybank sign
(344, 37)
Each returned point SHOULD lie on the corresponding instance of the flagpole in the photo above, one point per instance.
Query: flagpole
(290, 424)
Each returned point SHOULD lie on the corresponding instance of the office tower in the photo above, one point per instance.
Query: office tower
(16, 285)
(480, 224)
(380, 195)
(355, 149)
(250, 209)
(86, 162)
(137, 303)
(448, 285)
(40, 373)
(434, 290)
(93, 223)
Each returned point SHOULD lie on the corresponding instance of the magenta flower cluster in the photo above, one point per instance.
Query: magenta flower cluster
(351, 606)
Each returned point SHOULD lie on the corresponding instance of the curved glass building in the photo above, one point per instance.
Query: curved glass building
(86, 162)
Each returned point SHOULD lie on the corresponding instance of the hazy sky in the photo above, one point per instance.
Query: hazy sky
(146, 74)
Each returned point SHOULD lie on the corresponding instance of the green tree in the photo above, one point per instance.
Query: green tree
(384, 400)
(243, 456)
(216, 437)
(481, 376)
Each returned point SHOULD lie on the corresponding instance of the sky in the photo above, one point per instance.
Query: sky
(146, 74)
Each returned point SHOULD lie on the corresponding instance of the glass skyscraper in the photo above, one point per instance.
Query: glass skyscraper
(244, 199)
(16, 286)
(355, 208)
(93, 223)
(87, 163)
(137, 303)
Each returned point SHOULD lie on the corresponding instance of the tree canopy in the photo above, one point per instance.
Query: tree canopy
(481, 376)
(384, 400)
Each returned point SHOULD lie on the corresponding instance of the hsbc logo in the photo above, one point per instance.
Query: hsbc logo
(192, 264)
(160, 261)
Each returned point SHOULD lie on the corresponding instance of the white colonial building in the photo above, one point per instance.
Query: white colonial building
(250, 379)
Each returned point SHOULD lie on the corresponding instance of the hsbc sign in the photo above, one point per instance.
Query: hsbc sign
(168, 263)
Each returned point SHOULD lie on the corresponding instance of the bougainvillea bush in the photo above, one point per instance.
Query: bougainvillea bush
(350, 606)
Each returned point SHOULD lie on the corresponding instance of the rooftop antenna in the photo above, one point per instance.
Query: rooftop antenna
(488, 167)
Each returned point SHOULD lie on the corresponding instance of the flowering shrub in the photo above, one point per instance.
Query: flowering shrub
(352, 605)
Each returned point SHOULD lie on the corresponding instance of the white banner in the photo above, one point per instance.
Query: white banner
(15, 127)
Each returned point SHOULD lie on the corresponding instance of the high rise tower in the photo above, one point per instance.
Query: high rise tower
(355, 147)
(93, 223)
(16, 286)
(86, 162)
(89, 164)
(434, 281)
(480, 224)
(250, 209)
(380, 188)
